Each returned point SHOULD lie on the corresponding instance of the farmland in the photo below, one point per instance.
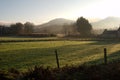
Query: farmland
(23, 55)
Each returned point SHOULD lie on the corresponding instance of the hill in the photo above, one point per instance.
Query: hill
(57, 21)
(53, 26)
(107, 23)
(56, 25)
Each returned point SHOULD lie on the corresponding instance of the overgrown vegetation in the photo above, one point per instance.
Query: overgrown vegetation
(110, 71)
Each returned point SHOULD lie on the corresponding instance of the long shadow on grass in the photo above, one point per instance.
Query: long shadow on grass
(104, 42)
(42, 55)
(111, 58)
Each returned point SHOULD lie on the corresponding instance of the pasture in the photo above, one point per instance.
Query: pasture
(24, 55)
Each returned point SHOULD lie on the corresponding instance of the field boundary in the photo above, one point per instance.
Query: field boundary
(56, 39)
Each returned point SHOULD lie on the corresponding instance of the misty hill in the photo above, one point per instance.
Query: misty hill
(53, 26)
(57, 21)
(56, 25)
(107, 23)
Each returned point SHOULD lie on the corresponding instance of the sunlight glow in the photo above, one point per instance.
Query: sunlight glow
(100, 9)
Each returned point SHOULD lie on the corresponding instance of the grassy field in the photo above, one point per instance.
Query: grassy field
(26, 39)
(23, 55)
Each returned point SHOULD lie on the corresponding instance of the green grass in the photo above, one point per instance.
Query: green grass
(22, 55)
(24, 38)
(27, 39)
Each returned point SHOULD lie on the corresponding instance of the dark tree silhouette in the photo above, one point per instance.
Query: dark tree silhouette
(28, 27)
(17, 28)
(83, 27)
(4, 30)
(20, 27)
(1, 30)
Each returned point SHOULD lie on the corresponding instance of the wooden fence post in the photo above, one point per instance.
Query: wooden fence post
(105, 55)
(57, 60)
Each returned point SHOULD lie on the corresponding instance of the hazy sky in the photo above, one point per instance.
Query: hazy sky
(40, 11)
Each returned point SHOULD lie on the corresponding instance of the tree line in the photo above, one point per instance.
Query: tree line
(81, 28)
(17, 29)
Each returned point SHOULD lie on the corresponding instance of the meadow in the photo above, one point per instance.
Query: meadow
(24, 55)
